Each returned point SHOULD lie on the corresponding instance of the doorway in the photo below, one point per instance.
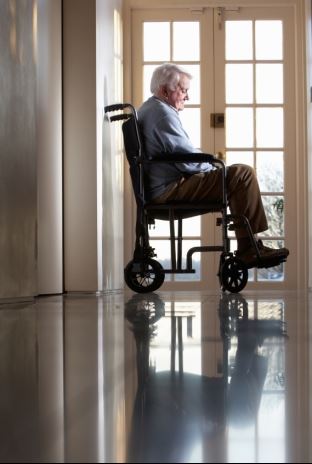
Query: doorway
(243, 63)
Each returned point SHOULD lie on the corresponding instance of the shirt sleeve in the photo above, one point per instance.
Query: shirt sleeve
(171, 135)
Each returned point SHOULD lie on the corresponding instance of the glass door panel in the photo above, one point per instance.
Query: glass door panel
(242, 63)
(239, 36)
(156, 41)
(253, 44)
(239, 83)
(269, 41)
(184, 49)
(166, 40)
(239, 127)
(269, 83)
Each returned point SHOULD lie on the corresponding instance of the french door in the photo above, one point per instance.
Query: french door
(241, 107)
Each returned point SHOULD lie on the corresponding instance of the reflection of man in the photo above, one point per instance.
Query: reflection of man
(247, 380)
(172, 409)
(196, 182)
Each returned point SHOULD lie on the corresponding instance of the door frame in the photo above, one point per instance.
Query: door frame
(301, 201)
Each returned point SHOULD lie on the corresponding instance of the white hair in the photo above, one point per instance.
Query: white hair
(167, 75)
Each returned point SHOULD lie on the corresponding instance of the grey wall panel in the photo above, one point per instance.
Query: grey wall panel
(18, 193)
(49, 129)
(80, 168)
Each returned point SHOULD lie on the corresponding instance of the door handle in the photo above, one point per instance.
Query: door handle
(221, 155)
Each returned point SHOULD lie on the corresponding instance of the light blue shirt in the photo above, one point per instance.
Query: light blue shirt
(162, 133)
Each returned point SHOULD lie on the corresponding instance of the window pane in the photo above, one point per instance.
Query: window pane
(275, 274)
(190, 118)
(240, 157)
(270, 128)
(269, 40)
(191, 227)
(251, 272)
(238, 40)
(147, 76)
(162, 250)
(269, 83)
(270, 171)
(156, 41)
(239, 127)
(161, 229)
(274, 209)
(239, 83)
(186, 41)
(187, 244)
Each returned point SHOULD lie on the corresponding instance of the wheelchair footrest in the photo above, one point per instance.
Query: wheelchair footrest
(272, 262)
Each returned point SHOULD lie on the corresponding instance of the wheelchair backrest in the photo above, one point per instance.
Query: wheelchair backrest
(133, 148)
(132, 141)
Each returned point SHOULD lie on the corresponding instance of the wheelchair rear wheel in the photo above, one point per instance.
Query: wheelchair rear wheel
(146, 278)
(233, 275)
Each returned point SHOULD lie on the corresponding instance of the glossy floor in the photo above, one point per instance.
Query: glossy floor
(156, 378)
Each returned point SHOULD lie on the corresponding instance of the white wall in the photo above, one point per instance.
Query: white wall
(109, 142)
(49, 139)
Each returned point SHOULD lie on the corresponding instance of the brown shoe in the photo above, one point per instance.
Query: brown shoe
(272, 252)
(267, 255)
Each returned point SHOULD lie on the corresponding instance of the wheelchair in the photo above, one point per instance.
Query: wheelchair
(144, 273)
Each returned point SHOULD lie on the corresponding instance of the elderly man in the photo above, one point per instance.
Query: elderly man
(162, 132)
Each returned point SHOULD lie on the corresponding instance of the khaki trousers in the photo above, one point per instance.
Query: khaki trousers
(242, 191)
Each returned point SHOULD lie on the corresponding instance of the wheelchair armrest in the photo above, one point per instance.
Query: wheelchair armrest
(186, 158)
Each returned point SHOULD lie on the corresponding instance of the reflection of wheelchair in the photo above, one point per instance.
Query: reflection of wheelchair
(250, 369)
(173, 409)
(143, 273)
(235, 319)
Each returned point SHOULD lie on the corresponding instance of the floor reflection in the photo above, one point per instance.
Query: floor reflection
(180, 413)
(168, 377)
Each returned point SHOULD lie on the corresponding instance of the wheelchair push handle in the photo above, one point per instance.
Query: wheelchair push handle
(119, 107)
(120, 117)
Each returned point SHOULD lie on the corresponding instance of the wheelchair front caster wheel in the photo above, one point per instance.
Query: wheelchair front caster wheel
(233, 275)
(144, 277)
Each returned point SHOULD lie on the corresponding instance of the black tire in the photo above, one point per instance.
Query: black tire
(144, 310)
(233, 275)
(233, 305)
(150, 279)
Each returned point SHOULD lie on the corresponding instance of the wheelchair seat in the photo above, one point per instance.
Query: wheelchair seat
(145, 274)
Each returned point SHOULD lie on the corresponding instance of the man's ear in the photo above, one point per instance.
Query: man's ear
(164, 91)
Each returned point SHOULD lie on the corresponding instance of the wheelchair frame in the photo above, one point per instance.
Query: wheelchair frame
(143, 273)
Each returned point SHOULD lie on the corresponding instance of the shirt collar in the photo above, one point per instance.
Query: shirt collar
(166, 103)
